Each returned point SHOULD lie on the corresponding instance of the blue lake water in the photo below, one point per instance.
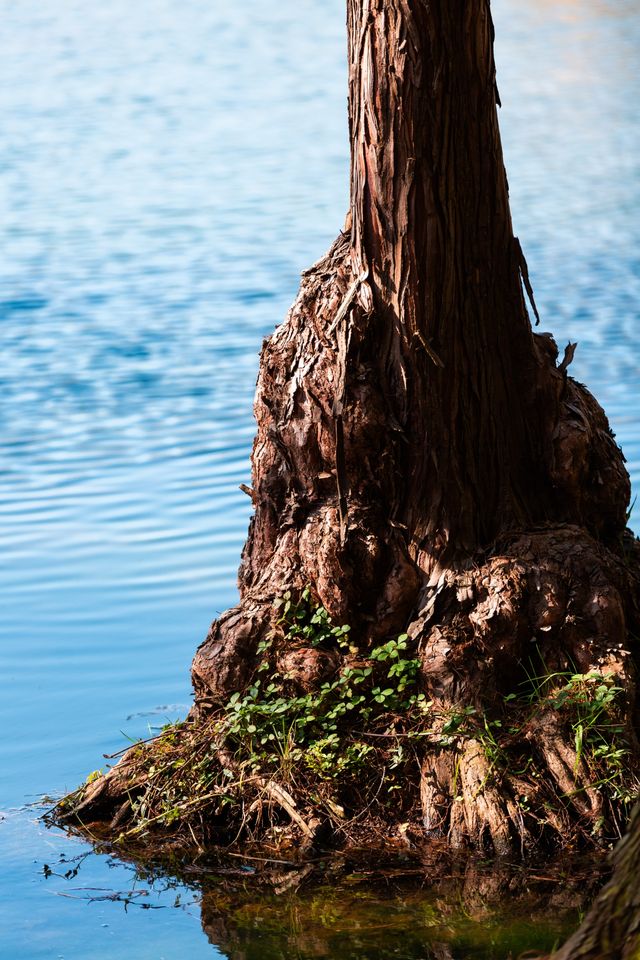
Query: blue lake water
(167, 169)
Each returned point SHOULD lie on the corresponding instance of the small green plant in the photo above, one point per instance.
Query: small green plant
(591, 705)
(272, 726)
(328, 758)
(632, 507)
(591, 701)
(488, 734)
(309, 621)
(456, 723)
(403, 671)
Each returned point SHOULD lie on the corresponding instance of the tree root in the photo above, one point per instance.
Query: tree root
(518, 734)
(545, 608)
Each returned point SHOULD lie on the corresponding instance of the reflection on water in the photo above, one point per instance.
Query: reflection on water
(251, 908)
(364, 925)
(166, 171)
(359, 923)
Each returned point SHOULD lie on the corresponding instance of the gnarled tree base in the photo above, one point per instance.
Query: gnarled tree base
(506, 718)
(526, 740)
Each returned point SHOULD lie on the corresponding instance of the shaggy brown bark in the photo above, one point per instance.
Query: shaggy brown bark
(422, 461)
(611, 929)
(411, 427)
(407, 415)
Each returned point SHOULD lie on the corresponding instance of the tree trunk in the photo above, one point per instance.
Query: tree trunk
(611, 929)
(423, 464)
(431, 229)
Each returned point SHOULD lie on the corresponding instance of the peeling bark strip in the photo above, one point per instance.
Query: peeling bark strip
(524, 273)
(423, 465)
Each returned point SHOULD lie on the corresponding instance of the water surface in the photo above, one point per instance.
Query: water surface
(167, 169)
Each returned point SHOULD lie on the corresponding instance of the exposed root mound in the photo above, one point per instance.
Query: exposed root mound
(503, 720)
(343, 501)
(544, 620)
